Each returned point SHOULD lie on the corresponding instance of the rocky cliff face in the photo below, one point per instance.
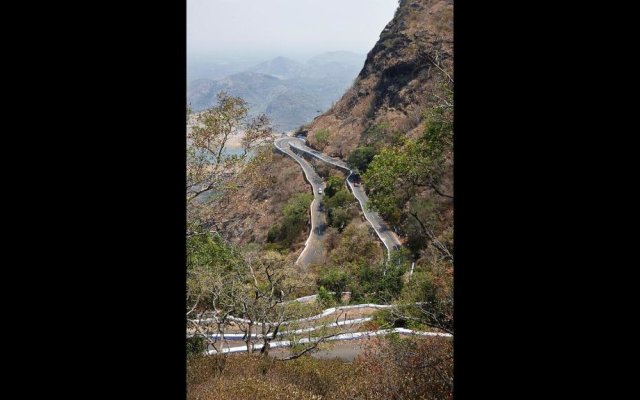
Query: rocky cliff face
(397, 84)
(398, 80)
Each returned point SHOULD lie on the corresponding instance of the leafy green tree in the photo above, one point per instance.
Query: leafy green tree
(334, 184)
(360, 158)
(295, 219)
(296, 216)
(341, 198)
(273, 233)
(196, 345)
(398, 175)
(383, 282)
(376, 134)
(339, 203)
(338, 217)
(380, 283)
(211, 267)
(254, 286)
(426, 211)
(428, 296)
(335, 279)
(325, 298)
(209, 259)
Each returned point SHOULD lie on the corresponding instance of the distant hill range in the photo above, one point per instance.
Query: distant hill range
(289, 92)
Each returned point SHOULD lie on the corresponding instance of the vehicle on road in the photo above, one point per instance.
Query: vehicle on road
(320, 191)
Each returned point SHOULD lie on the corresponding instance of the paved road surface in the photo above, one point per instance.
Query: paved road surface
(388, 237)
(314, 251)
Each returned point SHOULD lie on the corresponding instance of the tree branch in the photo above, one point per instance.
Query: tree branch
(434, 241)
(435, 189)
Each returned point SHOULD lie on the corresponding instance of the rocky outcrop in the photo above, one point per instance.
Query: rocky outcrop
(397, 82)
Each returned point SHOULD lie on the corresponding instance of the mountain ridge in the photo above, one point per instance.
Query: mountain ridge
(291, 93)
(397, 82)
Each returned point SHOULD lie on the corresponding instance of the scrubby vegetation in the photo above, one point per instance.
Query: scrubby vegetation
(367, 284)
(395, 127)
(399, 368)
(322, 137)
(294, 222)
(409, 185)
(360, 158)
(339, 203)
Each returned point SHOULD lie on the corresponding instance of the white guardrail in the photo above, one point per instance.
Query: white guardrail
(344, 336)
(323, 314)
(241, 336)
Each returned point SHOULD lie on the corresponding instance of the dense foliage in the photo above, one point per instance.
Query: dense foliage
(360, 158)
(294, 222)
(339, 203)
(405, 184)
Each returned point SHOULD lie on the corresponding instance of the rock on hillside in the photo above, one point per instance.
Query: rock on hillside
(396, 83)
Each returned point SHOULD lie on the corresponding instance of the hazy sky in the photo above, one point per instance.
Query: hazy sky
(285, 27)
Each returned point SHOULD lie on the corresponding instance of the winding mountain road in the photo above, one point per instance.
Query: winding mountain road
(291, 146)
(313, 252)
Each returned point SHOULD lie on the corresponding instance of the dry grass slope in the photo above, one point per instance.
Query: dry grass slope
(257, 203)
(396, 369)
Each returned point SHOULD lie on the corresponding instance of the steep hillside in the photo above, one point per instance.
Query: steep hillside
(394, 128)
(257, 203)
(401, 82)
(398, 117)
(398, 80)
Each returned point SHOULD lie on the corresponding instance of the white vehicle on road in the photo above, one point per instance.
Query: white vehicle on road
(320, 191)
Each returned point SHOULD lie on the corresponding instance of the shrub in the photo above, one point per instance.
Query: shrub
(338, 217)
(325, 298)
(196, 345)
(361, 157)
(274, 247)
(335, 279)
(339, 205)
(273, 233)
(322, 137)
(296, 217)
(334, 184)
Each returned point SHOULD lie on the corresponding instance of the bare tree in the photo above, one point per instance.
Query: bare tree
(210, 169)
(256, 298)
(264, 307)
(428, 297)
